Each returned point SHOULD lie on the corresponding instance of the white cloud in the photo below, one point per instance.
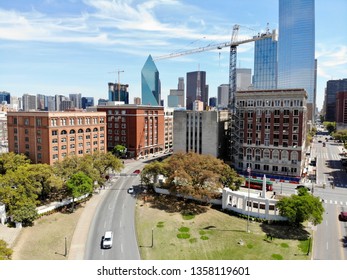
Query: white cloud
(332, 61)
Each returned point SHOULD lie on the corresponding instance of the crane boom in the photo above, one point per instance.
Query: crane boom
(233, 43)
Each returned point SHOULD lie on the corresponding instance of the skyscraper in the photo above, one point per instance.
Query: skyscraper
(243, 78)
(265, 64)
(223, 96)
(296, 48)
(118, 94)
(176, 96)
(332, 89)
(150, 83)
(76, 99)
(196, 88)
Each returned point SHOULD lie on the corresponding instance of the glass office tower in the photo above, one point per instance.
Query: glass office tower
(296, 48)
(150, 83)
(265, 64)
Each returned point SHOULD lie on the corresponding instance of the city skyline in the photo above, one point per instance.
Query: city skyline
(61, 47)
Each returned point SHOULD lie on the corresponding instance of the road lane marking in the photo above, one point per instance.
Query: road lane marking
(327, 246)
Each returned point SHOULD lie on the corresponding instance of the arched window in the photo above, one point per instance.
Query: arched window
(294, 155)
(95, 129)
(80, 130)
(275, 155)
(266, 154)
(63, 132)
(88, 130)
(72, 131)
(285, 155)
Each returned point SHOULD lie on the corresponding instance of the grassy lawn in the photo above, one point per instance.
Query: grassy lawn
(208, 234)
(46, 239)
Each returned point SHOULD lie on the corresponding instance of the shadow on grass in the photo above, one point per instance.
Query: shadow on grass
(172, 204)
(284, 231)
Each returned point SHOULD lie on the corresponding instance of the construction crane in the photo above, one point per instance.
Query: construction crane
(118, 84)
(234, 42)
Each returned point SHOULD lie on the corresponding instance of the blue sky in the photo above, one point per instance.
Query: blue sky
(77, 46)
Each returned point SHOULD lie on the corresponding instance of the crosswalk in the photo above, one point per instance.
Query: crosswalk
(330, 201)
(328, 156)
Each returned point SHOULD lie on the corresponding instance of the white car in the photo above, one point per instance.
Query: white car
(131, 190)
(107, 240)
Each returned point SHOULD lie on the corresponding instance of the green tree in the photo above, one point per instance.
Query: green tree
(301, 207)
(11, 161)
(119, 150)
(330, 126)
(78, 185)
(5, 252)
(25, 212)
(191, 174)
(340, 135)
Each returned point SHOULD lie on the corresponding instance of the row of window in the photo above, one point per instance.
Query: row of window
(270, 103)
(259, 112)
(266, 153)
(275, 168)
(80, 152)
(74, 121)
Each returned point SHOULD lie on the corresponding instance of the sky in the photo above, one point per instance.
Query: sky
(78, 46)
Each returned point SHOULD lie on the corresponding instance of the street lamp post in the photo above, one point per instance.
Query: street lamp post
(249, 184)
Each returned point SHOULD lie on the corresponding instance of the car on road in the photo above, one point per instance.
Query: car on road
(137, 171)
(131, 190)
(343, 216)
(107, 240)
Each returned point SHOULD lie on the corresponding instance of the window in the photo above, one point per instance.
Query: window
(38, 122)
(275, 168)
(266, 154)
(72, 146)
(54, 132)
(26, 121)
(63, 132)
(53, 122)
(63, 121)
(55, 140)
(72, 121)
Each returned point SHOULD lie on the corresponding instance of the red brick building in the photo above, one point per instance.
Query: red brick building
(139, 128)
(270, 135)
(46, 137)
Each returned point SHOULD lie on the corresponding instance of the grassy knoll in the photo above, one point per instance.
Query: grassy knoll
(207, 234)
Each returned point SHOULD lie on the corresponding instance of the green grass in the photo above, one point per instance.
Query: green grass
(212, 235)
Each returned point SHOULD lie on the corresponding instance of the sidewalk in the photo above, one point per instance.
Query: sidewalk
(80, 235)
(9, 235)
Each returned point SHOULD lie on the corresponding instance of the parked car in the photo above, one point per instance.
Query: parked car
(107, 240)
(137, 171)
(343, 216)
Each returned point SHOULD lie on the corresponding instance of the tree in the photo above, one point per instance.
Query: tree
(78, 185)
(301, 207)
(191, 174)
(5, 252)
(330, 126)
(119, 150)
(25, 213)
(11, 161)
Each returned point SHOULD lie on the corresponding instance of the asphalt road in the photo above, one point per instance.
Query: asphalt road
(116, 213)
(330, 237)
